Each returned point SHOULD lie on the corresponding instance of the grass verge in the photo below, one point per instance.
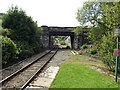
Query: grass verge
(75, 73)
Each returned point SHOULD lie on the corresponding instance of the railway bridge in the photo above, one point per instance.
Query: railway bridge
(48, 32)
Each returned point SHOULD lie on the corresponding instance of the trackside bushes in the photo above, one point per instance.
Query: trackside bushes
(106, 50)
(25, 50)
(23, 31)
(9, 50)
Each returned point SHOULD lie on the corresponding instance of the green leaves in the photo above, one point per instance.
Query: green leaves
(103, 17)
(106, 50)
(89, 13)
(22, 25)
(22, 30)
(9, 50)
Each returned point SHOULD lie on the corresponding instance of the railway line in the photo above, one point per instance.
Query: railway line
(12, 69)
(22, 77)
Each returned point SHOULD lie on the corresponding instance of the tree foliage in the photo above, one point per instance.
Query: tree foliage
(102, 18)
(23, 31)
(111, 14)
(9, 50)
(106, 50)
(22, 27)
(89, 14)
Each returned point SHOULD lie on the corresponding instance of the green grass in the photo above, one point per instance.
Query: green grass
(75, 73)
(64, 46)
(0, 22)
(80, 76)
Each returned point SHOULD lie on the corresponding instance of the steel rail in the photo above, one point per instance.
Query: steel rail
(40, 70)
(18, 71)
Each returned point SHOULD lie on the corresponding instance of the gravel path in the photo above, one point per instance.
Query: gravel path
(57, 60)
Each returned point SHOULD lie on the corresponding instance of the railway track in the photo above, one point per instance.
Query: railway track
(21, 78)
(4, 73)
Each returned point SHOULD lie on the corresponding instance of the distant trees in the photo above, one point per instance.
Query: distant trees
(102, 18)
(22, 31)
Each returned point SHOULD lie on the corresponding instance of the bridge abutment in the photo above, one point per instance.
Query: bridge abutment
(45, 36)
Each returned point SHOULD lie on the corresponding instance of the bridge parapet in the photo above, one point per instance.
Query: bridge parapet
(61, 29)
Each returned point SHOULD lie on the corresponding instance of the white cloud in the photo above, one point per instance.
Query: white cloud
(48, 12)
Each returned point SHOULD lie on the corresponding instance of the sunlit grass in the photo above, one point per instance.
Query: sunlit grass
(81, 76)
(76, 73)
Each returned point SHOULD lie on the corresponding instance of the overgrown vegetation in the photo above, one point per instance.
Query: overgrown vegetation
(9, 50)
(21, 36)
(101, 18)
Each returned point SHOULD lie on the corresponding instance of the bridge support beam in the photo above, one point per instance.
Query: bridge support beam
(45, 41)
(45, 37)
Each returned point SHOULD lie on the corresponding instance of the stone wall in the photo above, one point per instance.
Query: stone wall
(46, 35)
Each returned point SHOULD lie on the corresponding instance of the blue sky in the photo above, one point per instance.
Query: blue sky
(47, 12)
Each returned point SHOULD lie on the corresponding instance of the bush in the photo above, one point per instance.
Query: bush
(9, 50)
(93, 52)
(23, 31)
(63, 43)
(84, 47)
(5, 32)
(25, 50)
(68, 47)
(36, 46)
(106, 50)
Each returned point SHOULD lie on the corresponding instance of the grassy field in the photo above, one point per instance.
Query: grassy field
(76, 73)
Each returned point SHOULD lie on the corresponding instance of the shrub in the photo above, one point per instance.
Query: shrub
(37, 45)
(106, 50)
(93, 52)
(84, 47)
(9, 50)
(68, 47)
(4, 32)
(63, 43)
(23, 31)
(25, 50)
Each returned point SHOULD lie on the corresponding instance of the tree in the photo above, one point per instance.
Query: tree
(102, 17)
(23, 31)
(90, 14)
(111, 14)
(22, 27)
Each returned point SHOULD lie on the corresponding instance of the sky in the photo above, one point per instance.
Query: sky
(47, 12)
